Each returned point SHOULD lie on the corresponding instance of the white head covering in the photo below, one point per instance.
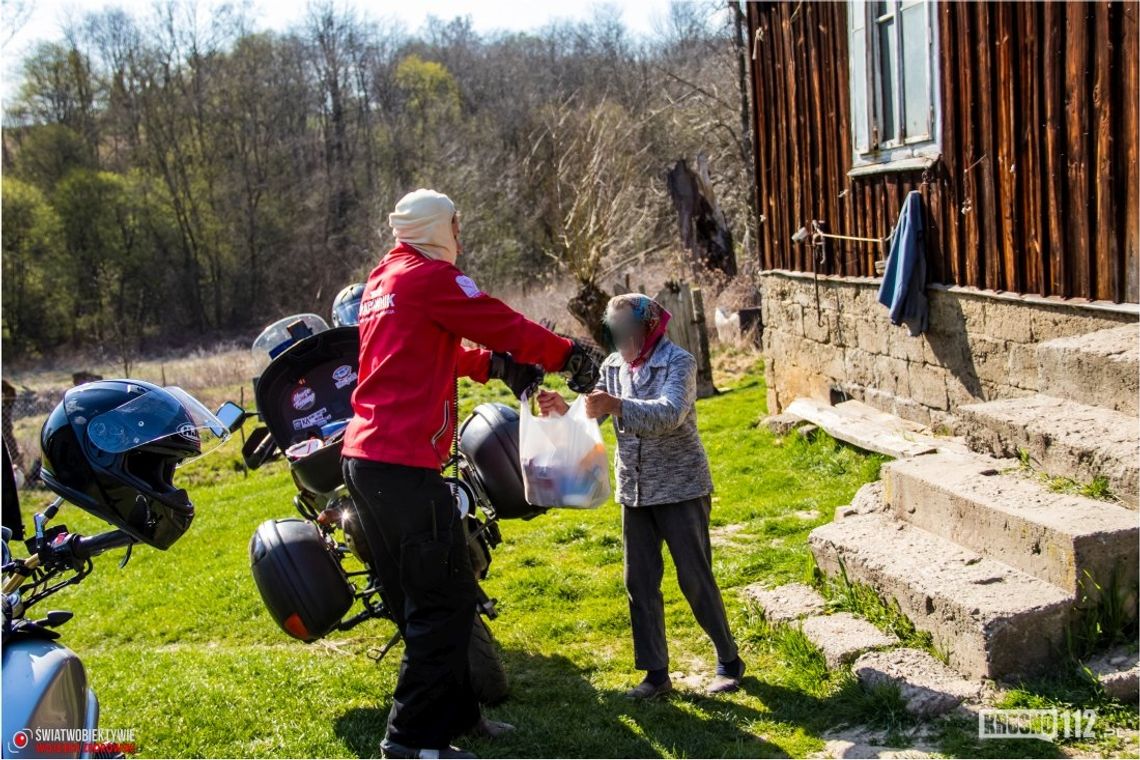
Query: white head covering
(423, 220)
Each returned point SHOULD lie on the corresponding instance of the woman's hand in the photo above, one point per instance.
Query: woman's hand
(600, 403)
(550, 402)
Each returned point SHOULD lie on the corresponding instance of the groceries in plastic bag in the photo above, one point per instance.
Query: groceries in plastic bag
(563, 458)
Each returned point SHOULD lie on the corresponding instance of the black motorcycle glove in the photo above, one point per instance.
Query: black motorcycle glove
(581, 369)
(520, 378)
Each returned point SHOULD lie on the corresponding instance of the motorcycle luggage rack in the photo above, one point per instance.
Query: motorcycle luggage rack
(304, 507)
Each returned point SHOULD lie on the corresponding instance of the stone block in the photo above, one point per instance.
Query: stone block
(902, 346)
(1049, 322)
(928, 687)
(817, 325)
(1118, 672)
(869, 498)
(892, 375)
(1057, 537)
(945, 317)
(1100, 368)
(1006, 321)
(872, 336)
(790, 318)
(825, 358)
(842, 637)
(927, 386)
(909, 409)
(783, 423)
(786, 603)
(859, 366)
(1062, 438)
(990, 359)
(991, 619)
(1022, 366)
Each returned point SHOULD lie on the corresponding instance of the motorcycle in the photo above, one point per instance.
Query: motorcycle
(303, 567)
(50, 709)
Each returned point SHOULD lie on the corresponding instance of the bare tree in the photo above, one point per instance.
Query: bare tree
(593, 163)
(16, 14)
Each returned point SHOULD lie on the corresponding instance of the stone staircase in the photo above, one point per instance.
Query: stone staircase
(982, 553)
(1062, 437)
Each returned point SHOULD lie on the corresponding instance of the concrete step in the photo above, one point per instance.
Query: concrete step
(842, 637)
(992, 620)
(1014, 518)
(786, 603)
(1101, 368)
(927, 686)
(1063, 438)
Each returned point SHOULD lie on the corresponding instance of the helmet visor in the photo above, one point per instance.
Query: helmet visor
(347, 313)
(168, 413)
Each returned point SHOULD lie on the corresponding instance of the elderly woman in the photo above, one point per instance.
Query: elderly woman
(648, 385)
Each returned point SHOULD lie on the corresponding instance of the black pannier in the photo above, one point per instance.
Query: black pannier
(489, 439)
(299, 577)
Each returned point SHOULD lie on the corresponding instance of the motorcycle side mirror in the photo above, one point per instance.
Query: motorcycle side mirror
(55, 618)
(258, 448)
(232, 416)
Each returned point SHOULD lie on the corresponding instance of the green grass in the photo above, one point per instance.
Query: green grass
(1104, 618)
(1097, 488)
(179, 646)
(1066, 690)
(842, 594)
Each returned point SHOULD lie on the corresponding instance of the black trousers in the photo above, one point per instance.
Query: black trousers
(684, 527)
(419, 553)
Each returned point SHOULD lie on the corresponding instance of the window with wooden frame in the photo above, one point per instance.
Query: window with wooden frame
(893, 49)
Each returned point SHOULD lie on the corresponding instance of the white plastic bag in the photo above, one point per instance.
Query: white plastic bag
(563, 459)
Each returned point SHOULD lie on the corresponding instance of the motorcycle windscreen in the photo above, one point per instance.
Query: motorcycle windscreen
(268, 344)
(171, 413)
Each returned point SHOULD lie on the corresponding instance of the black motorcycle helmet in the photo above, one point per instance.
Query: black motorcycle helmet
(346, 306)
(111, 447)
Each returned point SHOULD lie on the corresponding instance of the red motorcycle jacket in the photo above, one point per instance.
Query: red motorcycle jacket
(413, 315)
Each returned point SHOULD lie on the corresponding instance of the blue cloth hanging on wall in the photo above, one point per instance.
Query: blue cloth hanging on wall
(903, 290)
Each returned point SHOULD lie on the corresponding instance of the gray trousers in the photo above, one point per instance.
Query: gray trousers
(684, 527)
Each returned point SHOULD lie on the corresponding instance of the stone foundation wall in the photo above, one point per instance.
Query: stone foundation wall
(979, 346)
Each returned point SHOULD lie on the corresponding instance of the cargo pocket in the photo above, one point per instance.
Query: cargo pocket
(426, 563)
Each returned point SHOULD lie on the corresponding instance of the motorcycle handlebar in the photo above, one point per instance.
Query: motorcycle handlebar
(86, 547)
(75, 547)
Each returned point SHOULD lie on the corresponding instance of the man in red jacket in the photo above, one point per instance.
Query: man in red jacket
(416, 308)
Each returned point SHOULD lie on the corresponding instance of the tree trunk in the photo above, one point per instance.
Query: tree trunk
(588, 306)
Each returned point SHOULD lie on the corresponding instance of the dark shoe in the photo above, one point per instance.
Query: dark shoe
(649, 690)
(389, 748)
(491, 729)
(729, 680)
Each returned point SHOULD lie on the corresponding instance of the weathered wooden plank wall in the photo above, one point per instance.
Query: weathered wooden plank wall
(1037, 190)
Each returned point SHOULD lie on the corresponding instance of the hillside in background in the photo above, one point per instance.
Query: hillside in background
(174, 179)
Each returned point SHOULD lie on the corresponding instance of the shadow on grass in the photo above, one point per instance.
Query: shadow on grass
(362, 728)
(559, 713)
(883, 716)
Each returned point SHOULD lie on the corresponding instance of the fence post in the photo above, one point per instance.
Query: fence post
(688, 330)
